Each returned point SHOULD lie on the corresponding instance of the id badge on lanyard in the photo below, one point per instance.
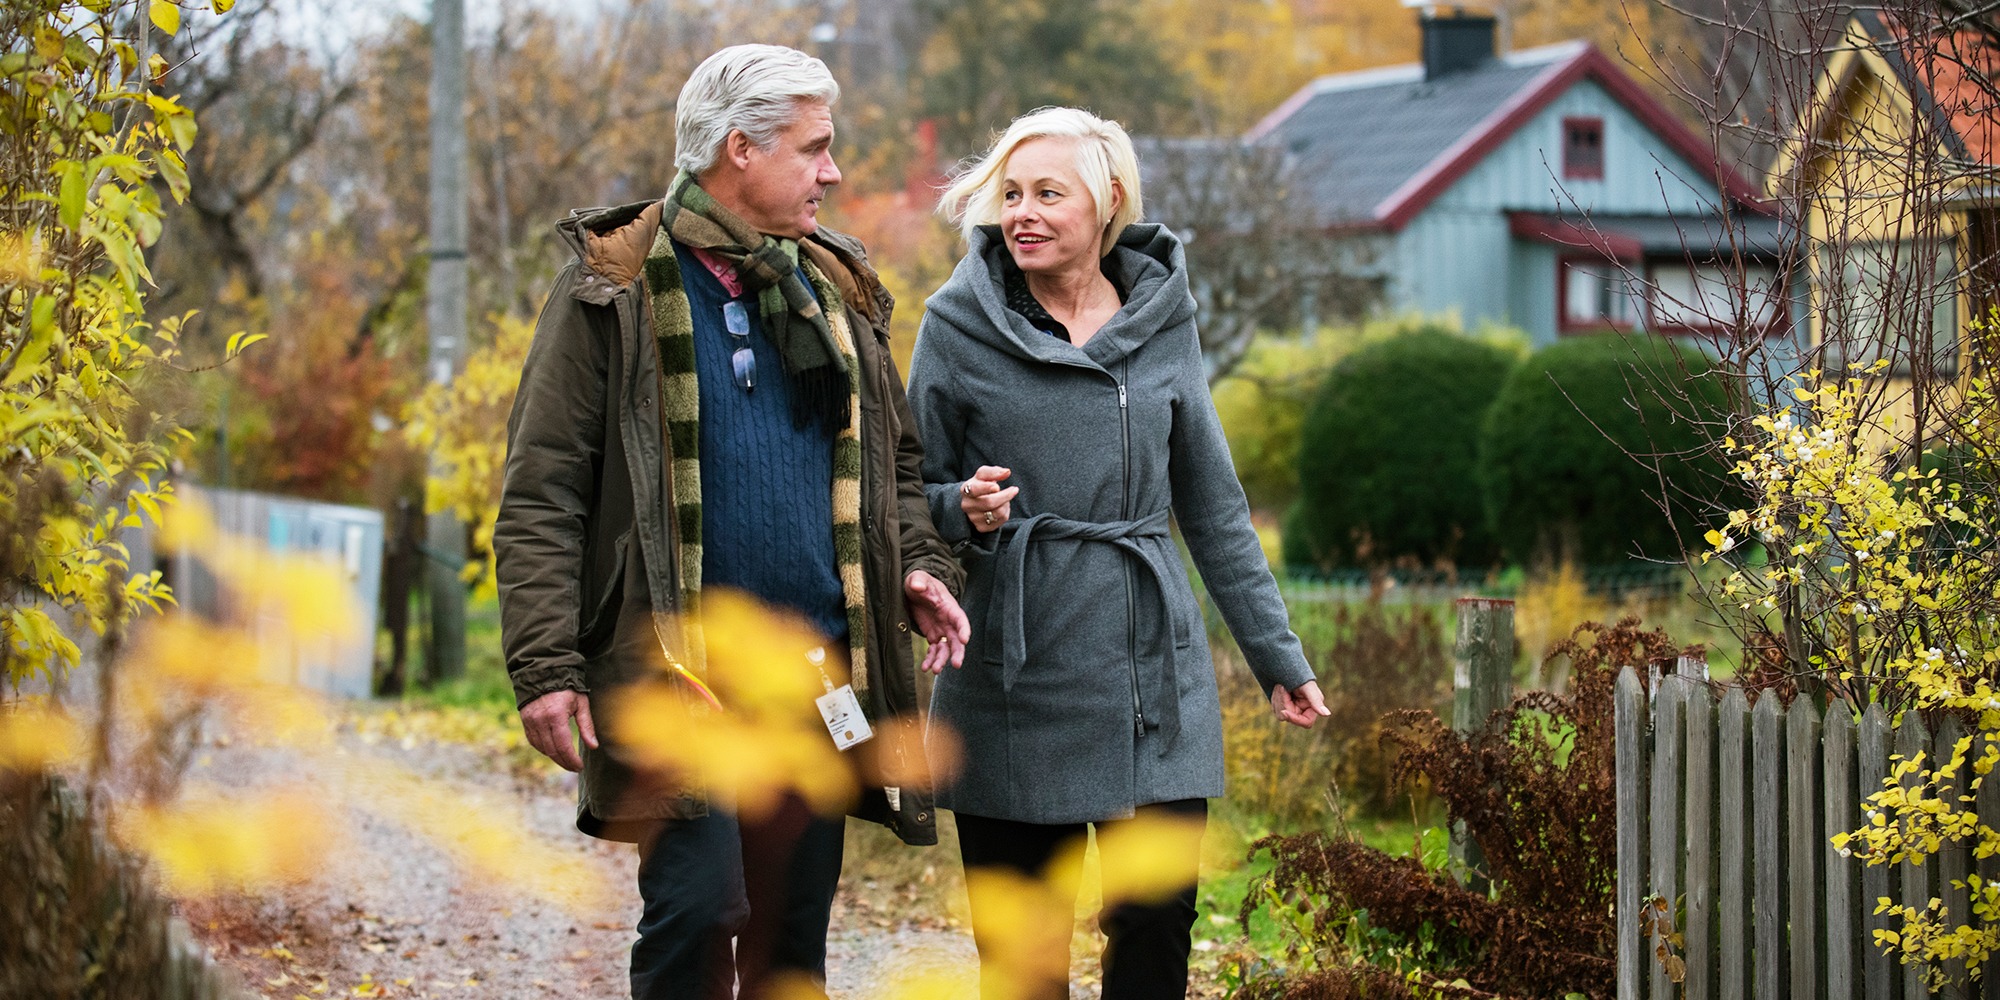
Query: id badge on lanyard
(840, 709)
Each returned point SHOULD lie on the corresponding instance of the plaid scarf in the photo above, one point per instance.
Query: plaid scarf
(680, 412)
(769, 268)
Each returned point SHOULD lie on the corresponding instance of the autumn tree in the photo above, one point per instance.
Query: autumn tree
(986, 62)
(1257, 256)
(83, 135)
(265, 103)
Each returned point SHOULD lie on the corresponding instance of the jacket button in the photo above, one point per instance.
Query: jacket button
(923, 817)
(902, 626)
(645, 401)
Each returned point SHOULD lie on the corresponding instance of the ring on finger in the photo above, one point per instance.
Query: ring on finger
(989, 517)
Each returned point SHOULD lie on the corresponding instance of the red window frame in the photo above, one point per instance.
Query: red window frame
(1564, 325)
(1574, 168)
(1781, 315)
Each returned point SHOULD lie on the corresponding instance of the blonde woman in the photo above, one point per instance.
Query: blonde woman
(1059, 389)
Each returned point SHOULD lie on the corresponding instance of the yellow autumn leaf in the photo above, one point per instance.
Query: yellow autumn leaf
(35, 735)
(166, 16)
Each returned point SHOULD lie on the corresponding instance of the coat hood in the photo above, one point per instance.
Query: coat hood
(1147, 259)
(610, 246)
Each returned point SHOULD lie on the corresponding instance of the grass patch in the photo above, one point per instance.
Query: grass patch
(485, 686)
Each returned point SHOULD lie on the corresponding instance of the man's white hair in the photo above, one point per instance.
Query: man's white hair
(753, 89)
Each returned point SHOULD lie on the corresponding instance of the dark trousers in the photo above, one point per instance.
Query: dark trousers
(767, 884)
(1147, 944)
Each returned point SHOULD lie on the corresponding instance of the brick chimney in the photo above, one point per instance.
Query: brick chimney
(1455, 43)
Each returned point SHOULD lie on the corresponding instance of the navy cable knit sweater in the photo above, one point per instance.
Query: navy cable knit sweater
(766, 486)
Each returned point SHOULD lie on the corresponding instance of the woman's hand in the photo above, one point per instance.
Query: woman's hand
(1301, 706)
(984, 502)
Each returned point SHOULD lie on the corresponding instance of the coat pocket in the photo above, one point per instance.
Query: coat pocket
(606, 587)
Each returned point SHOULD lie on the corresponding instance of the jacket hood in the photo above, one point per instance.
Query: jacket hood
(1147, 259)
(610, 245)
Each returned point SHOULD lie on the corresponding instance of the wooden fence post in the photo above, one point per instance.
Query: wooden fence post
(1805, 843)
(1879, 981)
(1629, 735)
(1693, 666)
(1701, 860)
(1482, 683)
(1732, 728)
(1841, 882)
(1913, 739)
(1767, 811)
(1665, 839)
(1954, 860)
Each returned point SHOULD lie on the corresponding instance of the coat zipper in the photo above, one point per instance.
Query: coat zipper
(1131, 601)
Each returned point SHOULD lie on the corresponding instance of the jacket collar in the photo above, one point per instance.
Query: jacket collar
(611, 244)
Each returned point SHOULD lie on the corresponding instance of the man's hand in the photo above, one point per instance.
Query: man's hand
(1301, 706)
(546, 720)
(937, 617)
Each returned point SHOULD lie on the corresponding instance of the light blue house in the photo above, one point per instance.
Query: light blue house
(1543, 189)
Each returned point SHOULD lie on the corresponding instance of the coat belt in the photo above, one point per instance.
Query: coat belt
(1010, 589)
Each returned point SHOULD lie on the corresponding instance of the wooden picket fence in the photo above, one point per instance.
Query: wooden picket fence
(1725, 813)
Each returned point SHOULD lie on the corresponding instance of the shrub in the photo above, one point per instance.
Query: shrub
(83, 920)
(1537, 791)
(1297, 545)
(1582, 438)
(1263, 402)
(1386, 456)
(1377, 661)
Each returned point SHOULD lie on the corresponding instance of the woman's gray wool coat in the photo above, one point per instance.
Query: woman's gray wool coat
(1087, 688)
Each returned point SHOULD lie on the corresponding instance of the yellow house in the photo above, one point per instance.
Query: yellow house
(1890, 175)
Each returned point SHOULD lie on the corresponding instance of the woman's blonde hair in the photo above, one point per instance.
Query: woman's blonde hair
(1104, 159)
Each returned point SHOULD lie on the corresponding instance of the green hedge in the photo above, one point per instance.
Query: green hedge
(1556, 453)
(1387, 455)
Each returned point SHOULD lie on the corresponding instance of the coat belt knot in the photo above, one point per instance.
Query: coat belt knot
(1010, 583)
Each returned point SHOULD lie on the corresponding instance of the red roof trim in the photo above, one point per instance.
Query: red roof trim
(1564, 233)
(1420, 190)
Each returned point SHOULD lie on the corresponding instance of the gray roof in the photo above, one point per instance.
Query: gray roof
(1357, 137)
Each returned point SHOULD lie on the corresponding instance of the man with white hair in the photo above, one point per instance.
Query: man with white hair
(781, 461)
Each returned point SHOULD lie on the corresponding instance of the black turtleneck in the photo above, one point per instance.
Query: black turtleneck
(1023, 302)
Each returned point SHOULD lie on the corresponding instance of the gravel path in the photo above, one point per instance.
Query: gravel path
(392, 914)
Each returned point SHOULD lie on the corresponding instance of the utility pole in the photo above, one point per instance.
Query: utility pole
(445, 311)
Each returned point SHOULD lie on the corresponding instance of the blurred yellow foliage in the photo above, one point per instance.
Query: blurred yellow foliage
(767, 740)
(207, 843)
(37, 735)
(184, 679)
(20, 259)
(1550, 605)
(929, 984)
(1150, 855)
(463, 426)
(482, 834)
(301, 596)
(1026, 924)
